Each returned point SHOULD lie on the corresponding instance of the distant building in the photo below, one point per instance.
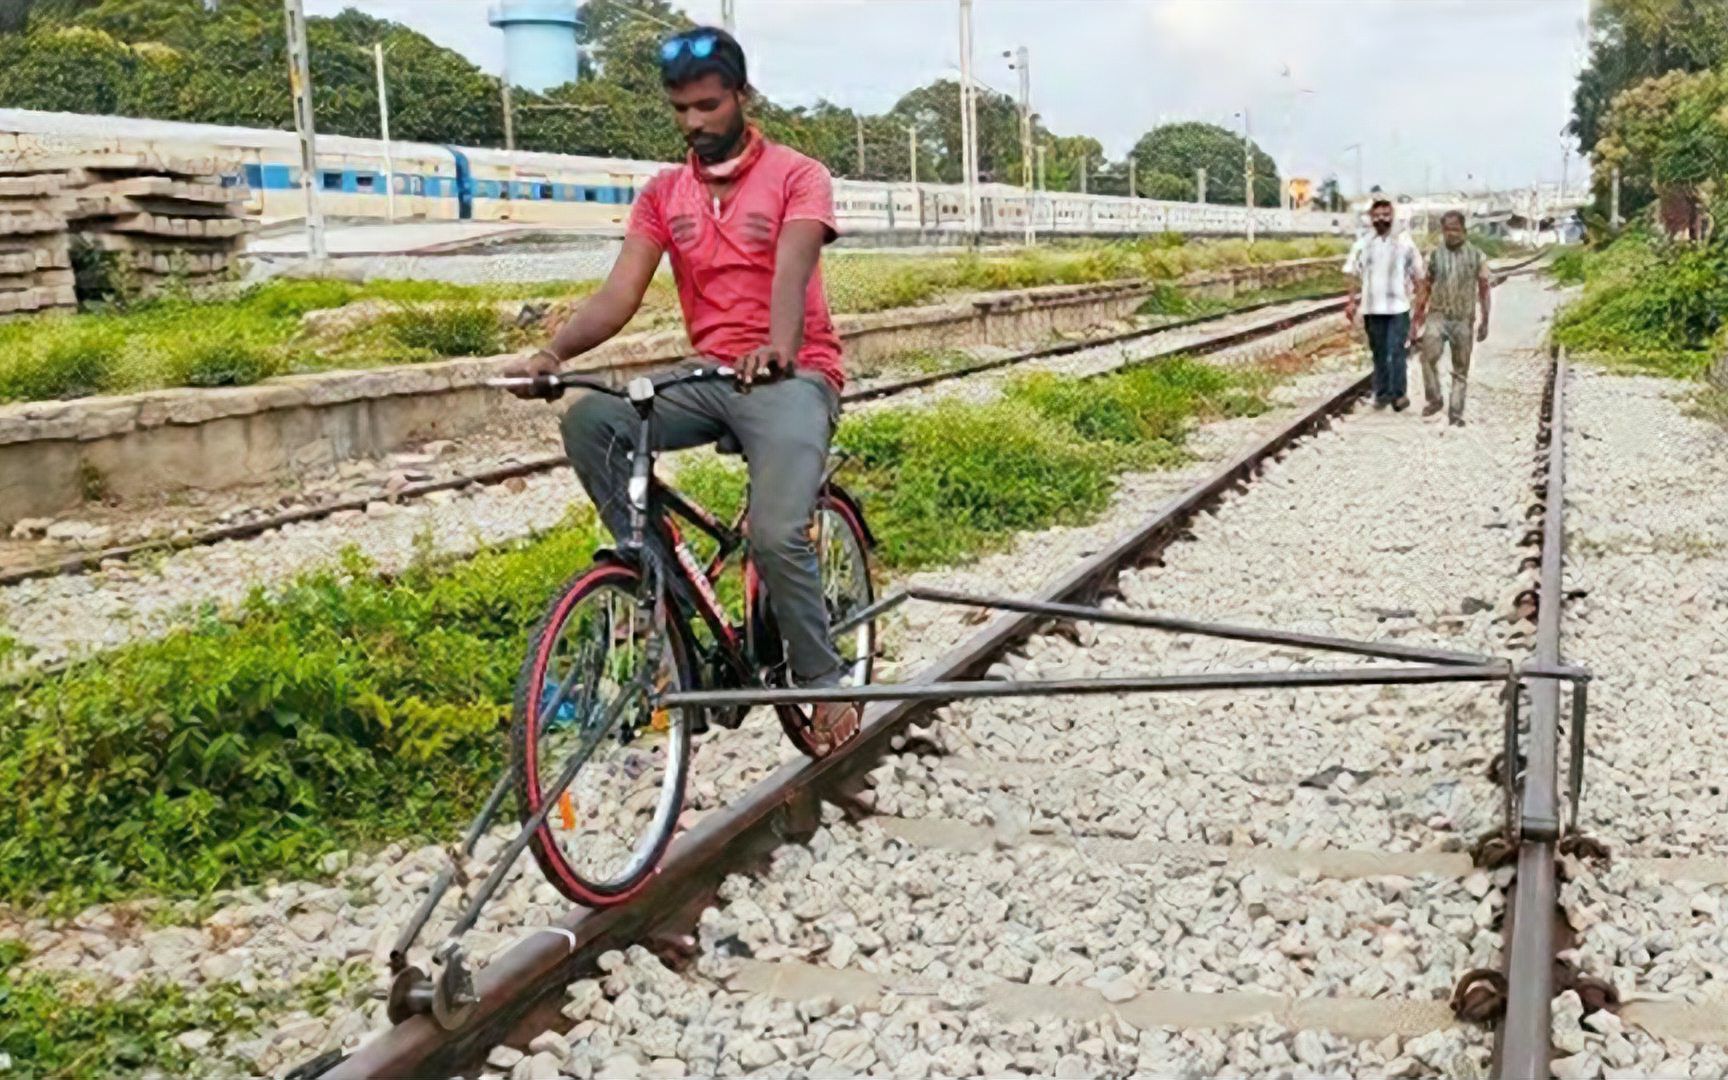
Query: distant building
(540, 49)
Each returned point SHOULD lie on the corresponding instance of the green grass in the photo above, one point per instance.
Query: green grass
(58, 1025)
(258, 331)
(353, 708)
(1648, 305)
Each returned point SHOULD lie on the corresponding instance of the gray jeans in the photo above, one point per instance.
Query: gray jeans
(1441, 332)
(783, 428)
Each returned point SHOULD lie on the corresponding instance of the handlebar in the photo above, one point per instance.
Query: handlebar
(551, 387)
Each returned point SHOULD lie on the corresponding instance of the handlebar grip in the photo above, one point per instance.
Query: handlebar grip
(547, 387)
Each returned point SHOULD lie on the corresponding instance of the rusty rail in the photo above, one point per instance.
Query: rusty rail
(1524, 1043)
(539, 967)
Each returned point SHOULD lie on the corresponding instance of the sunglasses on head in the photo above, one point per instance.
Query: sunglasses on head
(699, 46)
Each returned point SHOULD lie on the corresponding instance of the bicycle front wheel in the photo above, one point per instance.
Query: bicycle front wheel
(582, 691)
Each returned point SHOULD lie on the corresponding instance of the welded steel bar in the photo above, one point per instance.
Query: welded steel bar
(1141, 684)
(1524, 1042)
(1261, 635)
(867, 614)
(441, 883)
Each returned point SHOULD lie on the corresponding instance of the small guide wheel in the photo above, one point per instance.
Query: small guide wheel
(410, 993)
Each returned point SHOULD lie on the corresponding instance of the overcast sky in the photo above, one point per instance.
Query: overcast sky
(1437, 91)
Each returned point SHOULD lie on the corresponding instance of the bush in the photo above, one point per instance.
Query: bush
(1650, 303)
(457, 329)
(68, 358)
(351, 708)
(224, 363)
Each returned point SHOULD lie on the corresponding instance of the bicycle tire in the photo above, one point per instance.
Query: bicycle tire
(526, 730)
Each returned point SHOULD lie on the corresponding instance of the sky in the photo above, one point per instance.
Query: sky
(1439, 94)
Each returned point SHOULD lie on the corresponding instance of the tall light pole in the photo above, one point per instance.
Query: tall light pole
(384, 133)
(912, 153)
(1022, 63)
(968, 118)
(1041, 185)
(729, 16)
(1133, 193)
(1200, 184)
(859, 119)
(1248, 174)
(300, 82)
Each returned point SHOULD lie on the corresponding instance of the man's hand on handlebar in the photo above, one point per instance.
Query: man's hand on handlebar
(534, 366)
(761, 364)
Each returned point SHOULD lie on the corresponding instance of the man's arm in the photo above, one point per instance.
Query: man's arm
(1353, 271)
(1420, 300)
(1484, 296)
(613, 305)
(1416, 274)
(605, 313)
(795, 259)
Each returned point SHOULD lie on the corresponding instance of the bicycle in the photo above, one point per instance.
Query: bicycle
(642, 620)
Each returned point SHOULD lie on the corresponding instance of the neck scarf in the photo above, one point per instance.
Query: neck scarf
(733, 168)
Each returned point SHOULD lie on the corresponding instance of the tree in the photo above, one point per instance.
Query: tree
(1668, 136)
(1634, 40)
(1328, 196)
(1166, 186)
(1179, 149)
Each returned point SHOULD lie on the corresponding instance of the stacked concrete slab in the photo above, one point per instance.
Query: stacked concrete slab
(35, 257)
(154, 219)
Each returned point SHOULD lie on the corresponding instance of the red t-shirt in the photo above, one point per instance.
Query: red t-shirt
(723, 259)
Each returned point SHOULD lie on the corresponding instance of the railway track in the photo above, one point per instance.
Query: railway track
(84, 562)
(973, 813)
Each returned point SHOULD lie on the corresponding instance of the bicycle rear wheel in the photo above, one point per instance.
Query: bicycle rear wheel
(843, 554)
(610, 826)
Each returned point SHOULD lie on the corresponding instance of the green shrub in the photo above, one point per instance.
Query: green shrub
(1649, 303)
(455, 329)
(224, 363)
(58, 357)
(352, 707)
(1567, 267)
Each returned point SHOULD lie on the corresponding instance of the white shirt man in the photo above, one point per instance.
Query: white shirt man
(1386, 280)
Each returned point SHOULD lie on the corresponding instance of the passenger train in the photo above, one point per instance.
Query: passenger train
(363, 179)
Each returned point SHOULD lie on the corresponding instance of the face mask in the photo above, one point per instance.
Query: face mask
(1382, 227)
(1454, 244)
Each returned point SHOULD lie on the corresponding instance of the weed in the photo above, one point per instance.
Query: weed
(55, 1025)
(462, 329)
(92, 485)
(1650, 304)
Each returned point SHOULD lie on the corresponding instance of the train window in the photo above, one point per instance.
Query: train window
(331, 181)
(255, 176)
(545, 192)
(366, 182)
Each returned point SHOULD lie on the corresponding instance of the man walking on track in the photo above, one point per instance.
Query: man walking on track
(1386, 280)
(743, 221)
(1446, 315)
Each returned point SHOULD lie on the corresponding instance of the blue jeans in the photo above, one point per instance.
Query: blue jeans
(1387, 335)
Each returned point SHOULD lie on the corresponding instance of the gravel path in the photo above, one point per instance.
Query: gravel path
(1647, 525)
(62, 617)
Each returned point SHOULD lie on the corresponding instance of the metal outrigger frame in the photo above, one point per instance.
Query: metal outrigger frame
(450, 997)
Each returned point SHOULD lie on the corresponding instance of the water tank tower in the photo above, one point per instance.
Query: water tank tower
(539, 41)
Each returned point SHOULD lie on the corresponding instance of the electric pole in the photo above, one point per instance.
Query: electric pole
(384, 133)
(859, 120)
(968, 118)
(1041, 185)
(1614, 198)
(912, 153)
(300, 82)
(1023, 64)
(509, 116)
(1082, 172)
(729, 16)
(1248, 174)
(1132, 193)
(1200, 184)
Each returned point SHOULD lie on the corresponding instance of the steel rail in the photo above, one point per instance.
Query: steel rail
(539, 967)
(1524, 1043)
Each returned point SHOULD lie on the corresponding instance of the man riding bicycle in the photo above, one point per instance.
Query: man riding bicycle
(744, 221)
